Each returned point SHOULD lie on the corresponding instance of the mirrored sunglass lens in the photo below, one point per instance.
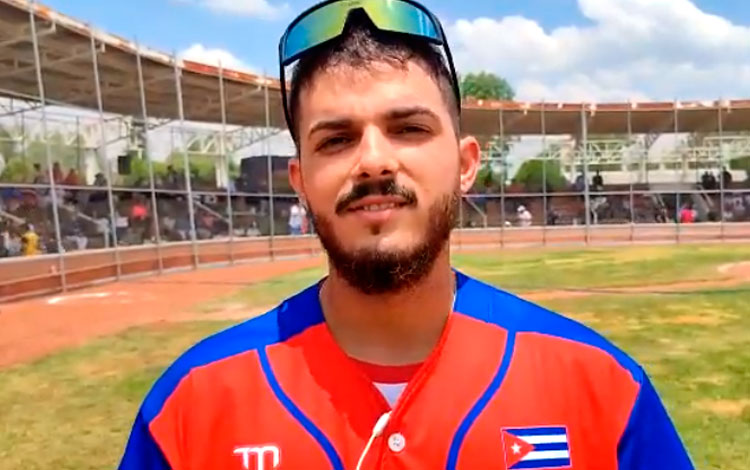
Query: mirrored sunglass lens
(315, 28)
(328, 22)
(401, 17)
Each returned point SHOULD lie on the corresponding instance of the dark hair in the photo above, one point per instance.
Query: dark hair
(362, 44)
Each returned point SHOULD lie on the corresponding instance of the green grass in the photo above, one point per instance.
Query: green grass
(265, 293)
(73, 410)
(696, 348)
(600, 267)
(525, 270)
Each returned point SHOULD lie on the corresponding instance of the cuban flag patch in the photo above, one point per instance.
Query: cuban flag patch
(537, 447)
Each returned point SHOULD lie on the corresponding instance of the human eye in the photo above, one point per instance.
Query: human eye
(406, 129)
(333, 143)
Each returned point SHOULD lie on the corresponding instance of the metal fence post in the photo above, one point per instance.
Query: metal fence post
(586, 187)
(151, 182)
(545, 158)
(721, 170)
(48, 150)
(103, 154)
(630, 173)
(503, 177)
(185, 160)
(678, 222)
(225, 161)
(269, 164)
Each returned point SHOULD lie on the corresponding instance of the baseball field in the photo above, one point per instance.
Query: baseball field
(74, 368)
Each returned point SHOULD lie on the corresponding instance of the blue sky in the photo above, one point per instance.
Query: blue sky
(564, 48)
(176, 25)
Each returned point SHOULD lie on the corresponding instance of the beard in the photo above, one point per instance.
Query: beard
(377, 271)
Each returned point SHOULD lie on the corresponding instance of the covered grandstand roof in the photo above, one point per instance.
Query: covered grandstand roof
(65, 46)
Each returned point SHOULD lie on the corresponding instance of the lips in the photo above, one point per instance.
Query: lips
(376, 204)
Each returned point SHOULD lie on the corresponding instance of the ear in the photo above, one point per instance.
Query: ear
(470, 153)
(295, 179)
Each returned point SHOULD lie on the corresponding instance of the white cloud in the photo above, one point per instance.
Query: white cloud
(200, 53)
(255, 8)
(633, 49)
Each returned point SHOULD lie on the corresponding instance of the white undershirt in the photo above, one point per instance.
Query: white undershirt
(391, 392)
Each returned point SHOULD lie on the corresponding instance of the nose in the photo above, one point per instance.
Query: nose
(376, 156)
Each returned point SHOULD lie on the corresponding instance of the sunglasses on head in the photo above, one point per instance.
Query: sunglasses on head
(327, 20)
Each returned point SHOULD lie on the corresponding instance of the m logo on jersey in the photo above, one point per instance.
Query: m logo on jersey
(536, 448)
(260, 456)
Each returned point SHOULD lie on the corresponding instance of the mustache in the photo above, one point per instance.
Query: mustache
(387, 187)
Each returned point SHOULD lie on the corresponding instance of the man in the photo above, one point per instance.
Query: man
(30, 241)
(524, 217)
(39, 176)
(598, 181)
(687, 214)
(395, 361)
(296, 214)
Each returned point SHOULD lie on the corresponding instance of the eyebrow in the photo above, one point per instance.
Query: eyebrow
(330, 125)
(411, 111)
(393, 114)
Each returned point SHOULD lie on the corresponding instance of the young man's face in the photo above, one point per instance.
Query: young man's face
(380, 165)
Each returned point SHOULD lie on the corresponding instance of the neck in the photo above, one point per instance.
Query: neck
(390, 329)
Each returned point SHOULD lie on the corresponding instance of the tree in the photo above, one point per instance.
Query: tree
(742, 163)
(8, 146)
(17, 170)
(486, 86)
(532, 175)
(67, 155)
(202, 167)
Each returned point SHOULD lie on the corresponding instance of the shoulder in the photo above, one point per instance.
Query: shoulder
(542, 327)
(290, 318)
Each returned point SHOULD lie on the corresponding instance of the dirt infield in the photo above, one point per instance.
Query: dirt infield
(34, 328)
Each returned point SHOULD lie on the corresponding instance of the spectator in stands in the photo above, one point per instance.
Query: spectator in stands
(206, 225)
(172, 179)
(139, 210)
(167, 226)
(580, 183)
(182, 226)
(103, 228)
(81, 240)
(708, 181)
(74, 239)
(687, 214)
(57, 173)
(72, 178)
(11, 242)
(726, 177)
(122, 225)
(524, 216)
(597, 181)
(297, 214)
(100, 180)
(30, 241)
(599, 206)
(4, 241)
(552, 216)
(253, 230)
(737, 207)
(39, 177)
(139, 217)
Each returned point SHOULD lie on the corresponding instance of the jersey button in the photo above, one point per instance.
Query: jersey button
(396, 442)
